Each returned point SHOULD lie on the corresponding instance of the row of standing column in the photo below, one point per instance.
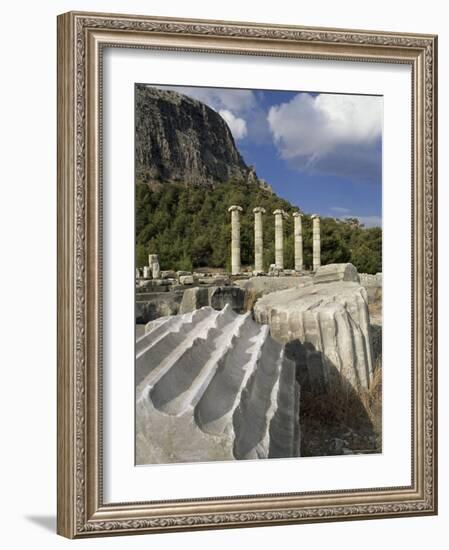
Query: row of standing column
(279, 216)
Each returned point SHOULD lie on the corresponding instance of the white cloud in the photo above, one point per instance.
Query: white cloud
(236, 124)
(329, 132)
(313, 126)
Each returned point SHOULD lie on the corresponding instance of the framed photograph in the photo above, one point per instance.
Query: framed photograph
(246, 274)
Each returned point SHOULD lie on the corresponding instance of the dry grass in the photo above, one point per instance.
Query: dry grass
(372, 401)
(345, 420)
(342, 420)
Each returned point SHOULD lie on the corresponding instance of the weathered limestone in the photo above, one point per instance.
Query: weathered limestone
(153, 262)
(235, 238)
(178, 139)
(258, 239)
(368, 280)
(214, 296)
(327, 330)
(279, 238)
(373, 286)
(186, 280)
(220, 280)
(157, 301)
(152, 285)
(213, 385)
(157, 304)
(194, 298)
(265, 284)
(256, 287)
(232, 296)
(146, 272)
(160, 282)
(216, 279)
(298, 241)
(170, 274)
(331, 273)
(316, 242)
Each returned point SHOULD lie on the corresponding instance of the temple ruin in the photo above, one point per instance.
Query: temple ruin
(316, 242)
(235, 238)
(258, 239)
(298, 241)
(279, 217)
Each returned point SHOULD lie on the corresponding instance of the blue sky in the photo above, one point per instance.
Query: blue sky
(322, 152)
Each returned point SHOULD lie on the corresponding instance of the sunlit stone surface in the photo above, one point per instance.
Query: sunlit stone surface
(213, 385)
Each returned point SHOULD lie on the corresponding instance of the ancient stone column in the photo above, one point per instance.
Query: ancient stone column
(316, 242)
(153, 263)
(258, 239)
(235, 238)
(279, 238)
(298, 241)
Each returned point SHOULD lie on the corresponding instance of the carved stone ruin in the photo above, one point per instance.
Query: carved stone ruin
(327, 328)
(316, 242)
(153, 262)
(279, 238)
(214, 385)
(298, 241)
(258, 239)
(235, 238)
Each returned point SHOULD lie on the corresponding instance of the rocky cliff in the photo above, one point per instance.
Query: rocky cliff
(179, 139)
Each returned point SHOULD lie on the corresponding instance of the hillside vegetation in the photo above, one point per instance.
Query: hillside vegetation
(190, 227)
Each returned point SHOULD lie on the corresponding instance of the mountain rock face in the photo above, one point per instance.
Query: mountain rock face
(179, 139)
(213, 385)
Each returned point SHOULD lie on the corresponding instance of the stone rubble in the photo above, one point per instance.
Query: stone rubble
(331, 273)
(186, 280)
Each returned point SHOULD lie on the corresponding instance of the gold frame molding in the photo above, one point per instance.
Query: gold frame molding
(81, 38)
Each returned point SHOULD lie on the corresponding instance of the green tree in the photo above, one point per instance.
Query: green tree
(190, 226)
(141, 255)
(185, 263)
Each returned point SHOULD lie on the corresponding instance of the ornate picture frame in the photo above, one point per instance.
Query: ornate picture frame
(82, 38)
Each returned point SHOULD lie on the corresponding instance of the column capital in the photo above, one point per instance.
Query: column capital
(281, 212)
(259, 209)
(235, 207)
(315, 216)
(297, 214)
